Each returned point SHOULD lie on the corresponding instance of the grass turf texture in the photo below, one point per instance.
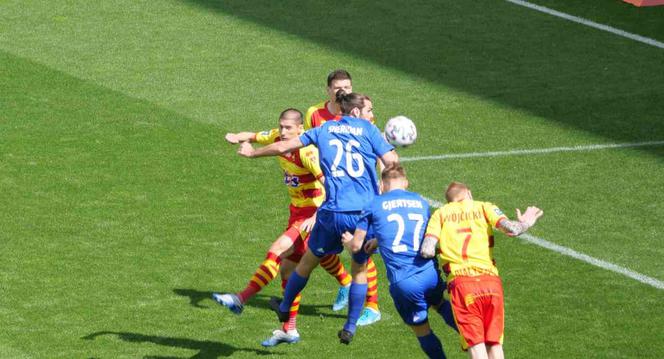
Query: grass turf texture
(123, 210)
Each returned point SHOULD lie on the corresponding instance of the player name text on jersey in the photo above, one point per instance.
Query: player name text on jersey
(401, 203)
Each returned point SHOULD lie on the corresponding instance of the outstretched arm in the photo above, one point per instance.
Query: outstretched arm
(277, 148)
(235, 138)
(525, 221)
(389, 158)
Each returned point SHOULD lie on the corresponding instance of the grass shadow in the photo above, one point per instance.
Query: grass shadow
(258, 301)
(207, 349)
(564, 72)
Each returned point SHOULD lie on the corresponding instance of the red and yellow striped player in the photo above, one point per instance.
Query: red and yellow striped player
(302, 176)
(340, 80)
(463, 229)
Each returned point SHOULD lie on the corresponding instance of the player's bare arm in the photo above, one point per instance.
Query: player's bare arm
(524, 222)
(353, 242)
(235, 138)
(389, 158)
(428, 247)
(274, 149)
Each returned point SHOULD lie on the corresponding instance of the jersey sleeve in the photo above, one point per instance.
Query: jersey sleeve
(435, 225)
(267, 137)
(309, 157)
(310, 137)
(307, 117)
(380, 145)
(493, 214)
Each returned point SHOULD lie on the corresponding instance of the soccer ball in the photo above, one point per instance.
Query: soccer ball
(400, 131)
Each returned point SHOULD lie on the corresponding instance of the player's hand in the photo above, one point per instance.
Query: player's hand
(246, 149)
(370, 245)
(308, 224)
(428, 248)
(232, 138)
(346, 239)
(530, 216)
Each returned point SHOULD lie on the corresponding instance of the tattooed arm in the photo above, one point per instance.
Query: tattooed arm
(525, 221)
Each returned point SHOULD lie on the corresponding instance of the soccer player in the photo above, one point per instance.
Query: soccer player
(349, 149)
(337, 80)
(302, 176)
(398, 218)
(463, 229)
(340, 80)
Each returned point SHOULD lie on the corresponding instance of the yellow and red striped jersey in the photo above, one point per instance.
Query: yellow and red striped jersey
(465, 236)
(317, 115)
(301, 172)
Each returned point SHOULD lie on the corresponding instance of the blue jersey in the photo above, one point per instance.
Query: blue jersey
(348, 150)
(399, 219)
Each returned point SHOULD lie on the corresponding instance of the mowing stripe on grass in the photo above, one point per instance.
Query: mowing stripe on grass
(532, 151)
(582, 257)
(580, 20)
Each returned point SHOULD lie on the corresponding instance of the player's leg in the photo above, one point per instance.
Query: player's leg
(288, 332)
(466, 296)
(438, 298)
(428, 340)
(478, 351)
(296, 283)
(496, 352)
(371, 313)
(332, 264)
(263, 275)
(412, 296)
(494, 316)
(356, 298)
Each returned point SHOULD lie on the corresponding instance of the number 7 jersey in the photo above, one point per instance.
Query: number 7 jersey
(465, 236)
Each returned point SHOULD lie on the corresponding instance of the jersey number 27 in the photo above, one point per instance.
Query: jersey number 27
(397, 246)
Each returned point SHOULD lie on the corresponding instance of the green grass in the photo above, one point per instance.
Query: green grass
(122, 208)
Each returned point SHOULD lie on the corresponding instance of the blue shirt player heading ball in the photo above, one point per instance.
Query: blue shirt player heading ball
(399, 219)
(348, 150)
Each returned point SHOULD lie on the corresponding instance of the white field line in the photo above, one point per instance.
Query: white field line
(532, 151)
(580, 20)
(583, 257)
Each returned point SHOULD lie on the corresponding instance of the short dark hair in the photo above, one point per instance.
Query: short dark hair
(300, 116)
(339, 74)
(393, 171)
(348, 101)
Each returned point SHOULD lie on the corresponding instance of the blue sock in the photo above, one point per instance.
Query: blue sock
(356, 297)
(445, 311)
(295, 285)
(432, 346)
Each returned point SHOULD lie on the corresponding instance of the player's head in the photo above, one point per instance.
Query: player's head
(457, 192)
(393, 177)
(355, 104)
(338, 80)
(290, 123)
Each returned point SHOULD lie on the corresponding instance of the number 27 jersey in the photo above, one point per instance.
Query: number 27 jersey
(398, 219)
(348, 151)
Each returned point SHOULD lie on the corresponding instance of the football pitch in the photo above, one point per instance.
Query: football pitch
(123, 209)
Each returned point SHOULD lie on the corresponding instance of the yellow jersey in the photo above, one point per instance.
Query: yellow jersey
(301, 172)
(465, 236)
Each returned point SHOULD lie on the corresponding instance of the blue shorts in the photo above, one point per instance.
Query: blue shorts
(414, 295)
(325, 238)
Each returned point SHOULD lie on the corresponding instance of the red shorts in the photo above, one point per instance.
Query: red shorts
(298, 237)
(477, 304)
